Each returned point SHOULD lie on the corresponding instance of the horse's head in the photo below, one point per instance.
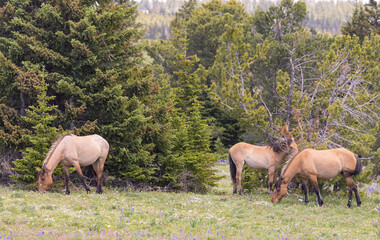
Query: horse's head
(292, 145)
(44, 180)
(288, 146)
(280, 190)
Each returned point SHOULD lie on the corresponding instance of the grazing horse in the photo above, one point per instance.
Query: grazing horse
(71, 150)
(260, 157)
(325, 164)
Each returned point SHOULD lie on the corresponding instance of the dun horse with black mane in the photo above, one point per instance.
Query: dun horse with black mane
(325, 164)
(260, 157)
(71, 150)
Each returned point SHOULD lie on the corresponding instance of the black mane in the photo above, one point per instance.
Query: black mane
(278, 183)
(280, 146)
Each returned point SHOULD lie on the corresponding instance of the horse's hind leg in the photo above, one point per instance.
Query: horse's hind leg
(232, 172)
(358, 202)
(79, 171)
(239, 170)
(98, 168)
(352, 187)
(66, 173)
(314, 181)
(234, 190)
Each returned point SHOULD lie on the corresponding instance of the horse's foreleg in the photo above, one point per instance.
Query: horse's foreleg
(66, 173)
(314, 181)
(272, 173)
(79, 171)
(305, 190)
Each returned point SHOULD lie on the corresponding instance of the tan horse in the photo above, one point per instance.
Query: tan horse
(324, 164)
(71, 150)
(260, 157)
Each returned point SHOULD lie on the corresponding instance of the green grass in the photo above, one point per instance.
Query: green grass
(160, 215)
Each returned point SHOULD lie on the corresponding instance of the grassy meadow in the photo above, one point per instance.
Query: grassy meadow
(160, 215)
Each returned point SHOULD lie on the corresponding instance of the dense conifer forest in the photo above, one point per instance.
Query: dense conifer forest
(172, 85)
(322, 16)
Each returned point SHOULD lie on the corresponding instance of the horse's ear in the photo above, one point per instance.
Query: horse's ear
(286, 132)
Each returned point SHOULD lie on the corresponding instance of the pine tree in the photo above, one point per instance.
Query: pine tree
(234, 88)
(93, 63)
(192, 141)
(364, 21)
(40, 118)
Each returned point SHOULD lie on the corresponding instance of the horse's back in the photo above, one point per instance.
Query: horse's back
(347, 158)
(327, 163)
(87, 148)
(254, 156)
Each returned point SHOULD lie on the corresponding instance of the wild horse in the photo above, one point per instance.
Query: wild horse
(324, 164)
(71, 150)
(260, 157)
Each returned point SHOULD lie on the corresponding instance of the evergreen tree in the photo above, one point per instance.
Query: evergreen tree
(192, 143)
(206, 24)
(234, 88)
(40, 117)
(93, 64)
(364, 21)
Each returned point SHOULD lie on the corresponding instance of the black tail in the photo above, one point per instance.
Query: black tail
(358, 167)
(232, 168)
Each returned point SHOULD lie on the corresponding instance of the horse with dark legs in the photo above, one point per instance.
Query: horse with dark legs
(259, 157)
(312, 164)
(71, 150)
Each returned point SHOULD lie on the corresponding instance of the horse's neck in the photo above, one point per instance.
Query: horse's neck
(53, 161)
(291, 170)
(281, 155)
